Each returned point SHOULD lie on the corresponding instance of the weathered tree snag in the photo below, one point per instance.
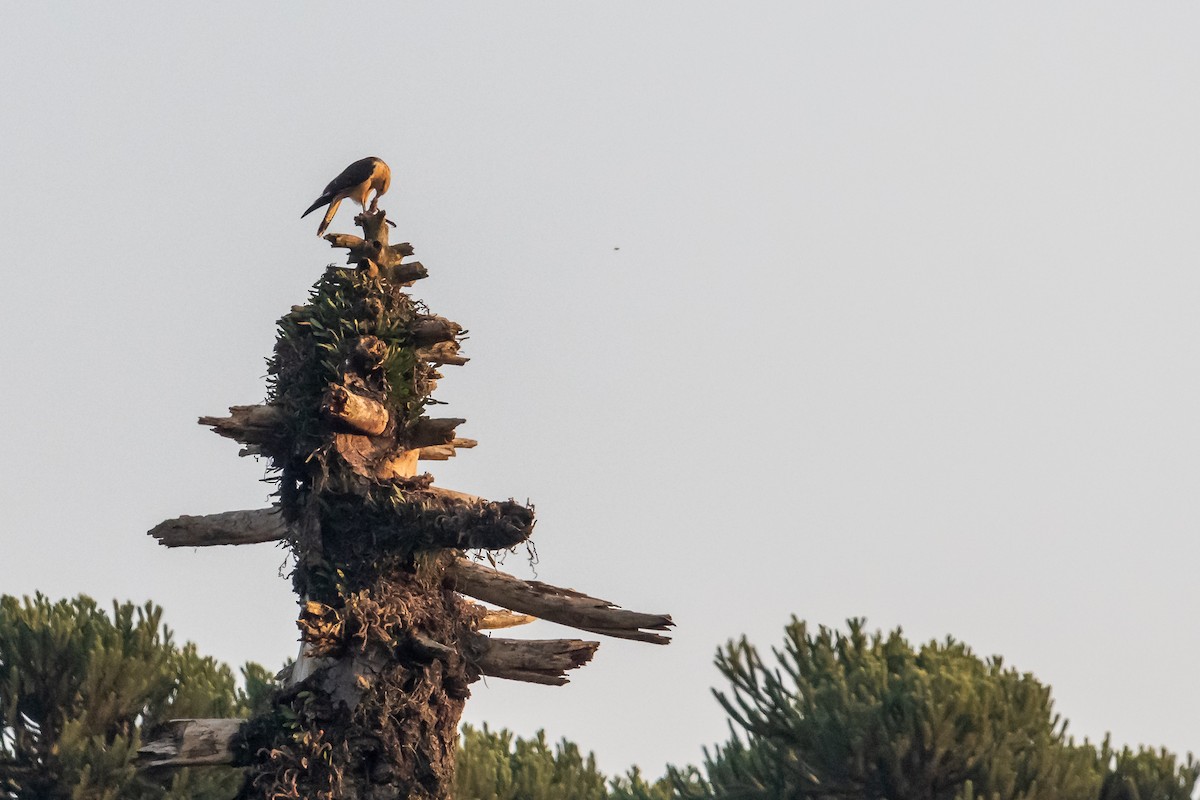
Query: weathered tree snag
(389, 640)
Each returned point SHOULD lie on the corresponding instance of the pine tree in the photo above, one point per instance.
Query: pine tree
(78, 687)
(496, 765)
(867, 717)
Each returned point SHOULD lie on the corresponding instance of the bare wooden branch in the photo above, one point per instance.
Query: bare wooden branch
(544, 661)
(564, 606)
(359, 414)
(191, 743)
(442, 353)
(405, 273)
(433, 329)
(444, 452)
(430, 431)
(259, 424)
(229, 527)
(553, 603)
(346, 240)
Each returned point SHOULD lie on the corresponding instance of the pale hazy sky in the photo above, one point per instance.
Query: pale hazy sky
(903, 322)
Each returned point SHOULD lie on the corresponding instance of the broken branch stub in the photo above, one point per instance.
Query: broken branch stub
(432, 329)
(442, 353)
(359, 414)
(444, 452)
(430, 431)
(544, 661)
(556, 604)
(253, 425)
(228, 527)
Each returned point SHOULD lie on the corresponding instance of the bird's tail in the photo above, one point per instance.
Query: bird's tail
(320, 201)
(333, 207)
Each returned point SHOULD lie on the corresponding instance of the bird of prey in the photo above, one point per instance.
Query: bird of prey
(355, 183)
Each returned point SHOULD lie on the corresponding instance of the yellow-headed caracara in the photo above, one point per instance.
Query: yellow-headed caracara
(355, 183)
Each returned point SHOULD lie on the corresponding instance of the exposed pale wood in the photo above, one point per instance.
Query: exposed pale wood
(228, 527)
(258, 424)
(443, 452)
(403, 465)
(553, 603)
(544, 661)
(433, 329)
(190, 743)
(346, 240)
(498, 618)
(359, 414)
(430, 431)
(375, 457)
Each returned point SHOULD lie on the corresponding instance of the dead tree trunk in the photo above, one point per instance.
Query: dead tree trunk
(390, 645)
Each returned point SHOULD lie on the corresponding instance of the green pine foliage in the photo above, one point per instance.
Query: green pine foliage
(78, 687)
(868, 717)
(495, 765)
(635, 787)
(834, 716)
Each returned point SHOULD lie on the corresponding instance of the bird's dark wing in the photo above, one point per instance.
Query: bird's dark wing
(320, 201)
(358, 172)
